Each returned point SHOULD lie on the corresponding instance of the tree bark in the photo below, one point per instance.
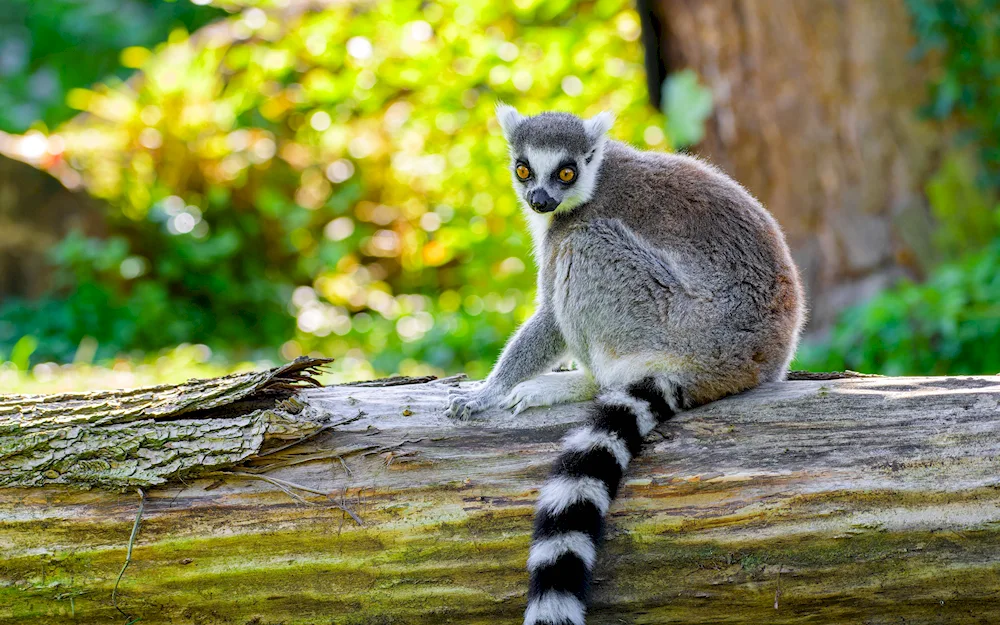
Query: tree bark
(853, 500)
(816, 113)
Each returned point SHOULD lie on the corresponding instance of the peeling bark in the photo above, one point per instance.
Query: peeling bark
(850, 500)
(144, 437)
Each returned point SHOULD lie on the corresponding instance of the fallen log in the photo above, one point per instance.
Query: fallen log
(845, 500)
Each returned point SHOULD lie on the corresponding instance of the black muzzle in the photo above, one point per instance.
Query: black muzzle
(542, 202)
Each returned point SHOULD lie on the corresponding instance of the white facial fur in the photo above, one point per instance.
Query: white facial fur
(544, 163)
(586, 180)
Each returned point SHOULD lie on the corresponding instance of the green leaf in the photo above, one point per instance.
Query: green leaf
(686, 104)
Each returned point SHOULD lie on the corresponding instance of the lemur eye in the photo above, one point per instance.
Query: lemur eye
(522, 171)
(567, 174)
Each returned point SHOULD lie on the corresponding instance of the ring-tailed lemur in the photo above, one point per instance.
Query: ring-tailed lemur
(666, 280)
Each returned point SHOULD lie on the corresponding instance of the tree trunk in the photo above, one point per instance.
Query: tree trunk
(36, 212)
(856, 500)
(816, 114)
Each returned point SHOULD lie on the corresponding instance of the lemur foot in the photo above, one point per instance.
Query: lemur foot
(551, 389)
(466, 403)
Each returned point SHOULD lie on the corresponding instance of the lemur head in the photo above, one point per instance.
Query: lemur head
(555, 157)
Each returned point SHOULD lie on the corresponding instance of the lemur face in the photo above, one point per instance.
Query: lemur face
(555, 157)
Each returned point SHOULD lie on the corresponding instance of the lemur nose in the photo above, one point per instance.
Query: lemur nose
(542, 202)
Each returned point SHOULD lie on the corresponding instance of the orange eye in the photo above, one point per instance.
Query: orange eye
(567, 174)
(523, 172)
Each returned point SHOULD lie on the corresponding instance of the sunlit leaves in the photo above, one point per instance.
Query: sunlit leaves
(353, 152)
(49, 48)
(687, 105)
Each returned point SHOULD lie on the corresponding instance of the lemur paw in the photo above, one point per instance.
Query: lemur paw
(466, 403)
(550, 389)
(529, 394)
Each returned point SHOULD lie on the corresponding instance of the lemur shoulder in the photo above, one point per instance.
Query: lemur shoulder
(666, 281)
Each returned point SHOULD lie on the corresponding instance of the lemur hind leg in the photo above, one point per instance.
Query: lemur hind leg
(551, 389)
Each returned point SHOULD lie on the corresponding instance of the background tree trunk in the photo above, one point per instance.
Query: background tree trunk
(36, 212)
(859, 500)
(816, 114)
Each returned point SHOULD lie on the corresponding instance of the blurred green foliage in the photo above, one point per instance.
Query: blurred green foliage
(951, 323)
(334, 181)
(947, 325)
(960, 41)
(171, 366)
(50, 47)
(964, 207)
(687, 105)
(963, 39)
(327, 181)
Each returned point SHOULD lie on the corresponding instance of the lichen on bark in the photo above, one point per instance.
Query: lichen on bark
(145, 437)
(830, 499)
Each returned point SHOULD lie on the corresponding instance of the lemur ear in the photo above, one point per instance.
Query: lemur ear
(509, 119)
(599, 125)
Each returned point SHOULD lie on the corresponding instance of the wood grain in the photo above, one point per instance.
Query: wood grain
(855, 500)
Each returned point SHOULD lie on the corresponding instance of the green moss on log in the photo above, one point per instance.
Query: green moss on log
(317, 567)
(876, 502)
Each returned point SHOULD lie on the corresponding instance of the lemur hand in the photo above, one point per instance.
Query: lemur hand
(465, 403)
(550, 389)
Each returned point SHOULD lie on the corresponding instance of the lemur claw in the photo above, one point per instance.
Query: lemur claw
(516, 403)
(463, 404)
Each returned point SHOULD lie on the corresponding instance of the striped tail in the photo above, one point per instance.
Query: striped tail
(569, 517)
